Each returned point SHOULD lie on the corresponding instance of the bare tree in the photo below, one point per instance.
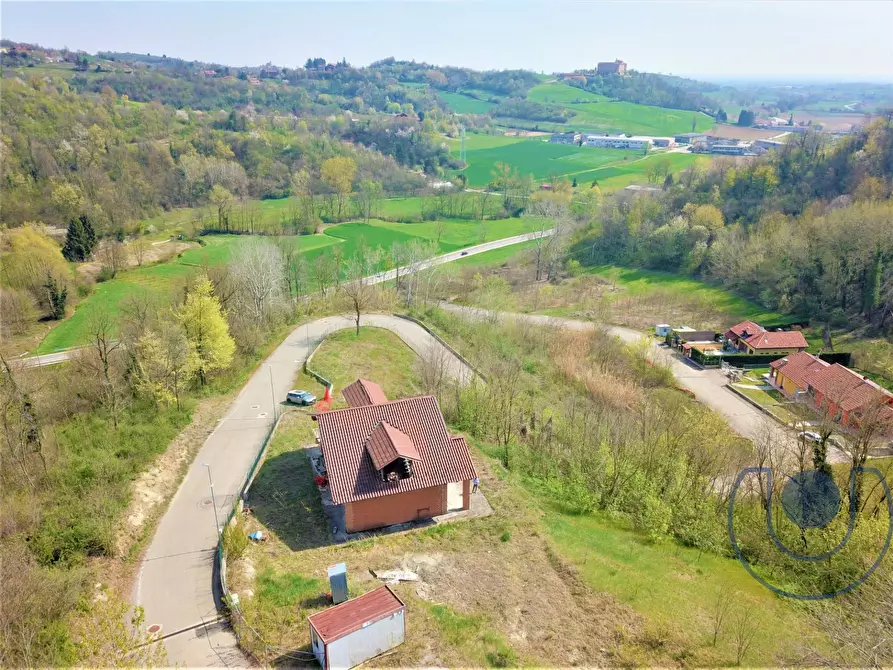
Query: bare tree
(722, 607)
(357, 287)
(100, 360)
(113, 257)
(433, 370)
(138, 248)
(21, 430)
(258, 270)
(745, 625)
(325, 273)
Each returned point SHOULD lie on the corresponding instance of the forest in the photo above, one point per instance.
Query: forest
(803, 230)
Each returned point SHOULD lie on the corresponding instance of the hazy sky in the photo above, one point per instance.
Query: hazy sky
(819, 39)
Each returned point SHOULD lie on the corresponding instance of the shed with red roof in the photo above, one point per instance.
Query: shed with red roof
(351, 633)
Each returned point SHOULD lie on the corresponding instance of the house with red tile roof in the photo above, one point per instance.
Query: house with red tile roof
(752, 338)
(841, 392)
(392, 461)
(789, 373)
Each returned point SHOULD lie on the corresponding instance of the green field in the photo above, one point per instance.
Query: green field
(598, 114)
(465, 104)
(540, 158)
(165, 280)
(611, 168)
(637, 282)
(562, 94)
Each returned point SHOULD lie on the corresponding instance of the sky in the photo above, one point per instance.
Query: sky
(826, 40)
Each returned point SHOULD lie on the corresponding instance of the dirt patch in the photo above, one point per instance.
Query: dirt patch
(153, 253)
(525, 133)
(832, 121)
(155, 487)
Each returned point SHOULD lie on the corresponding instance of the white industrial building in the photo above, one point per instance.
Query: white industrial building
(351, 633)
(618, 142)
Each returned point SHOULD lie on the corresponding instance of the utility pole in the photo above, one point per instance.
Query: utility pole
(273, 395)
(213, 499)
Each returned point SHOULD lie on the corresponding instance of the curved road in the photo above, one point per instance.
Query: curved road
(175, 579)
(708, 386)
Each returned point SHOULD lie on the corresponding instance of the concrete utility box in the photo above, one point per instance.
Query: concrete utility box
(338, 583)
(355, 631)
(662, 329)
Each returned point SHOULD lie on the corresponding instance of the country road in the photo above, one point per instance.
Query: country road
(708, 386)
(62, 356)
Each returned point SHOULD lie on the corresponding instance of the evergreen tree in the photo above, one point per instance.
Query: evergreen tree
(574, 185)
(91, 235)
(56, 297)
(76, 242)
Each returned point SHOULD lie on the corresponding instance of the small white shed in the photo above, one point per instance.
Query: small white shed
(351, 633)
(662, 329)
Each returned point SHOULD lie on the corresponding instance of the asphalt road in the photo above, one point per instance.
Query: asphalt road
(62, 356)
(175, 579)
(708, 386)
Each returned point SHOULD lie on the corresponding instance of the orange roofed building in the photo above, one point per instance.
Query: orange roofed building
(752, 338)
(843, 393)
(392, 461)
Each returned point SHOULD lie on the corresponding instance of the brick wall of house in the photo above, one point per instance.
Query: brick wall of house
(398, 508)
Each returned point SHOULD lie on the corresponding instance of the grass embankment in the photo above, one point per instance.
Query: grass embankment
(501, 589)
(164, 281)
(465, 104)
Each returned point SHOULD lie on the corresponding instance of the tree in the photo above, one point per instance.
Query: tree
(112, 256)
(108, 634)
(139, 247)
(721, 116)
(206, 329)
(80, 240)
(165, 362)
(222, 200)
(56, 297)
(102, 361)
(357, 287)
(258, 270)
(694, 122)
(746, 118)
(338, 173)
(369, 198)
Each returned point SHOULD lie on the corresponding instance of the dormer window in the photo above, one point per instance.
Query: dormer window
(392, 452)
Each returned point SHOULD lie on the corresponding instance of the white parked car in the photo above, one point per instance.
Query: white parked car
(300, 397)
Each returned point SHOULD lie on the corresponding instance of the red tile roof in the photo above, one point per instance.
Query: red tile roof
(363, 392)
(778, 340)
(747, 328)
(343, 434)
(834, 382)
(386, 444)
(797, 366)
(352, 615)
(864, 395)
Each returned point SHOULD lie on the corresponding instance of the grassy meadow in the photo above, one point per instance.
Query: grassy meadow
(611, 168)
(465, 104)
(164, 281)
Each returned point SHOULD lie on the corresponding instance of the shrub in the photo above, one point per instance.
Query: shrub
(105, 274)
(235, 539)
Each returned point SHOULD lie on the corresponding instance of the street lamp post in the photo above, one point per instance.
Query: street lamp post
(213, 499)
(273, 394)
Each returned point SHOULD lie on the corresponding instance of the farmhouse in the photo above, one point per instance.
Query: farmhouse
(730, 148)
(617, 142)
(606, 68)
(391, 462)
(789, 374)
(752, 338)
